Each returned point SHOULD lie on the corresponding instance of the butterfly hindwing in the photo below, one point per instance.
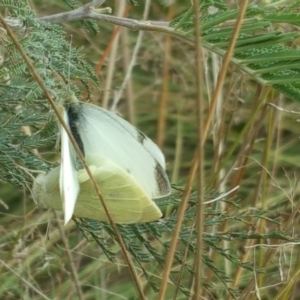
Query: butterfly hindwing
(125, 200)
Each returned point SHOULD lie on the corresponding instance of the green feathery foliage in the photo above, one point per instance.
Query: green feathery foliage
(264, 54)
(22, 101)
(141, 248)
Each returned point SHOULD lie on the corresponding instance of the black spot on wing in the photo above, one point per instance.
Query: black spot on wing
(141, 137)
(163, 184)
(73, 117)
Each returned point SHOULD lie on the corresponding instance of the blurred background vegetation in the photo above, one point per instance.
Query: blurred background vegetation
(250, 236)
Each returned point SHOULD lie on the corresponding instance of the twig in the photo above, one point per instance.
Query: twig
(69, 257)
(222, 195)
(76, 14)
(276, 246)
(282, 109)
(88, 11)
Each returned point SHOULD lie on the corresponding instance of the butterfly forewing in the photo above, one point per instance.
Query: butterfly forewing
(111, 136)
(68, 182)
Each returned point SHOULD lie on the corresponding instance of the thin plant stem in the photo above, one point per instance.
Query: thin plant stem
(195, 162)
(81, 157)
(162, 114)
(110, 43)
(112, 57)
(178, 147)
(241, 135)
(176, 231)
(225, 65)
(129, 89)
(265, 185)
(286, 290)
(198, 265)
(70, 259)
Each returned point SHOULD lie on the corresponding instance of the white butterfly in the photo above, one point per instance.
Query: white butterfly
(127, 166)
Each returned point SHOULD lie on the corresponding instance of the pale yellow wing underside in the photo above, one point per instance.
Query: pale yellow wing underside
(126, 201)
